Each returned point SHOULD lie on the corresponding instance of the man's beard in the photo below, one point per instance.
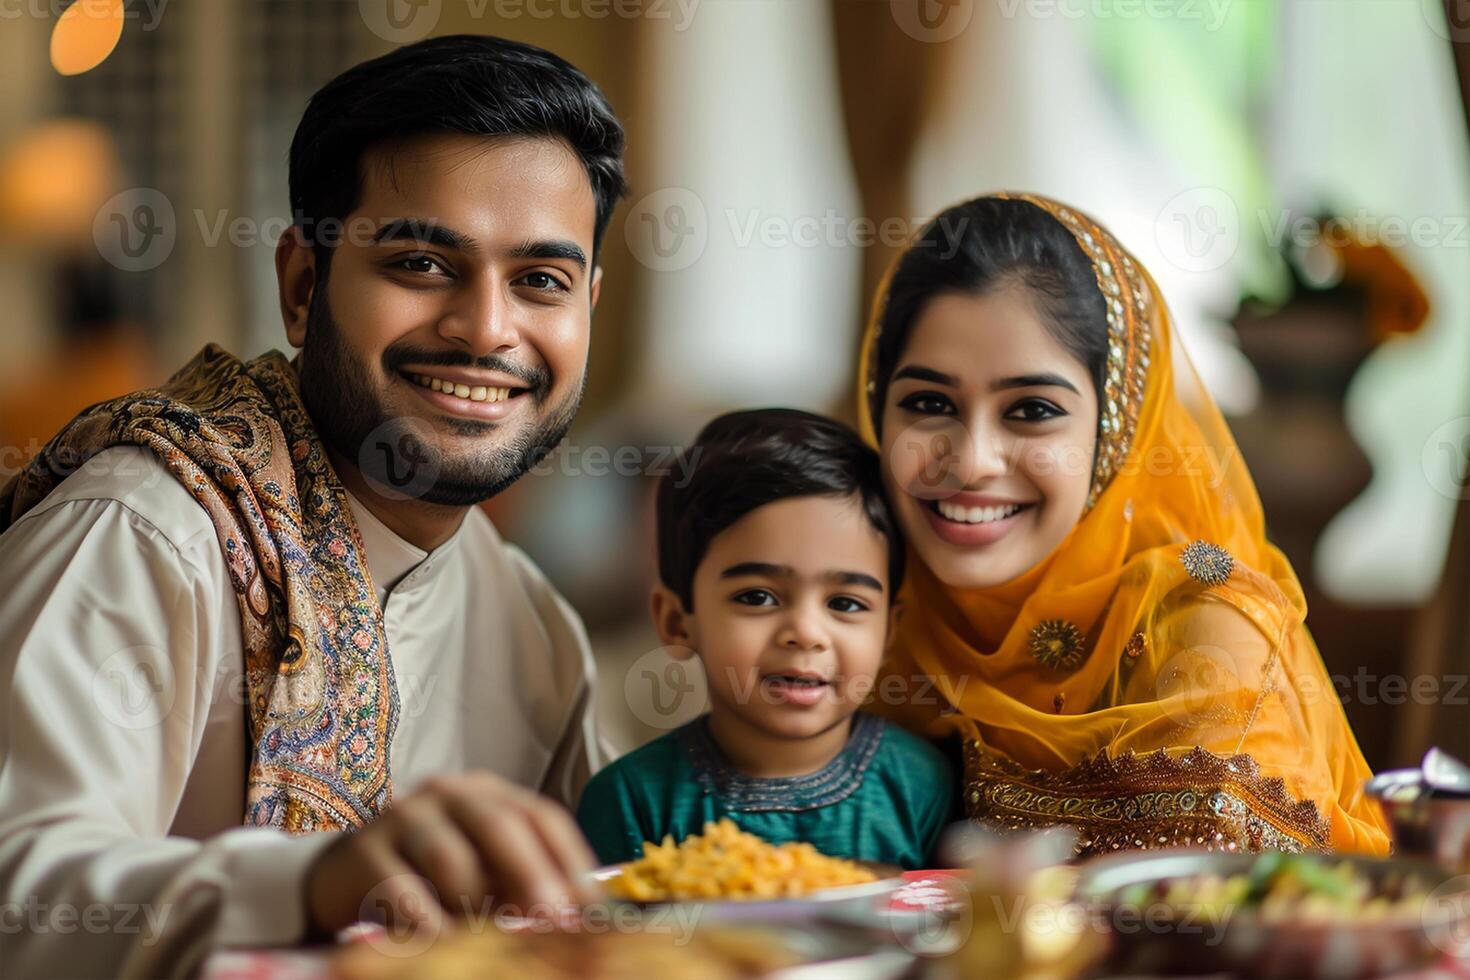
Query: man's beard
(341, 398)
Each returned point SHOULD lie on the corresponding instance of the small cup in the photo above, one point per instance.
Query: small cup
(1425, 824)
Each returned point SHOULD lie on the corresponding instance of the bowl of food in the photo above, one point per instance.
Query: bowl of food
(1275, 914)
(1428, 809)
(733, 875)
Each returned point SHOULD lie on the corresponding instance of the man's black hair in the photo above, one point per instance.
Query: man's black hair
(461, 83)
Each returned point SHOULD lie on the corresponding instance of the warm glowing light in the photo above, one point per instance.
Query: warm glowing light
(85, 35)
(53, 180)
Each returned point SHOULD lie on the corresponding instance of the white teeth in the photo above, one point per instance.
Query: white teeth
(976, 515)
(475, 393)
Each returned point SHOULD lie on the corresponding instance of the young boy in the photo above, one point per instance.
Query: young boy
(779, 562)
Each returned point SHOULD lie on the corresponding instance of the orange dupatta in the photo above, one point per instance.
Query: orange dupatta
(1152, 682)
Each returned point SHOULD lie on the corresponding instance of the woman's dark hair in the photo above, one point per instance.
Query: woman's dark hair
(988, 244)
(745, 460)
(461, 83)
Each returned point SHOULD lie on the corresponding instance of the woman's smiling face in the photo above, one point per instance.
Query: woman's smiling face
(989, 429)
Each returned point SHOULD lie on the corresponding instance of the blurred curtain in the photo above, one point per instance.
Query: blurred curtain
(1440, 648)
(742, 217)
(1441, 637)
(890, 85)
(1369, 123)
(1065, 105)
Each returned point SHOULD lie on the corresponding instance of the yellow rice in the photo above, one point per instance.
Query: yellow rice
(726, 863)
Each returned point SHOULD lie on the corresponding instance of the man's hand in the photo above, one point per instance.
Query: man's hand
(459, 845)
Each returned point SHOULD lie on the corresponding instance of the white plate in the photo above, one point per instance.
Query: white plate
(863, 903)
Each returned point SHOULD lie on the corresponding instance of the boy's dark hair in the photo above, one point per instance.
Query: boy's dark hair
(746, 460)
(461, 83)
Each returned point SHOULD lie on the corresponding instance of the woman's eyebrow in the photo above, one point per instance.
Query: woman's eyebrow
(919, 373)
(1043, 380)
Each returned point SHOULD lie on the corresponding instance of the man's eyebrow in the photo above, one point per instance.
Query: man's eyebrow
(552, 248)
(769, 570)
(429, 232)
(1043, 380)
(919, 373)
(433, 233)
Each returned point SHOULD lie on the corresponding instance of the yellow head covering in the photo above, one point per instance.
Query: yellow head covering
(1152, 681)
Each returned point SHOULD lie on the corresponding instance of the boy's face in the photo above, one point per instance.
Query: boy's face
(790, 615)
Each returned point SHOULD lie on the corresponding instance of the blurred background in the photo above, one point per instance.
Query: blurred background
(1295, 174)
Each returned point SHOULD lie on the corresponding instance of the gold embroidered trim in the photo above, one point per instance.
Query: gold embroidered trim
(1146, 802)
(1129, 304)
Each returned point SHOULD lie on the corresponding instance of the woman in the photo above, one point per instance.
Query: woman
(1092, 593)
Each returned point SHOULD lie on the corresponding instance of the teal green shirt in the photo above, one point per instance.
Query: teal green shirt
(885, 797)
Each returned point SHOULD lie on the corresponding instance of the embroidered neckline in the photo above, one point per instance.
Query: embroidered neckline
(832, 783)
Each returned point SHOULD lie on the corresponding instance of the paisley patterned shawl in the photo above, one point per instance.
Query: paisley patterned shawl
(322, 700)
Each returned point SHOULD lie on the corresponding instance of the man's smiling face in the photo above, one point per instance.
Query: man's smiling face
(457, 310)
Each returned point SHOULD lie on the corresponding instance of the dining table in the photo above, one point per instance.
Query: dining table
(897, 941)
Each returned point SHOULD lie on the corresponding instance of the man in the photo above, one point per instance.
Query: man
(238, 598)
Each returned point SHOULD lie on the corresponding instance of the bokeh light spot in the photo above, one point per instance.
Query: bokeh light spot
(85, 34)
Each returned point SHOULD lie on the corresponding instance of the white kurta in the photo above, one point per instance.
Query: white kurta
(123, 745)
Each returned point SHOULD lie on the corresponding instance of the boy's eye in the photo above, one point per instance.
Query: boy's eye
(928, 403)
(846, 604)
(1034, 410)
(756, 597)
